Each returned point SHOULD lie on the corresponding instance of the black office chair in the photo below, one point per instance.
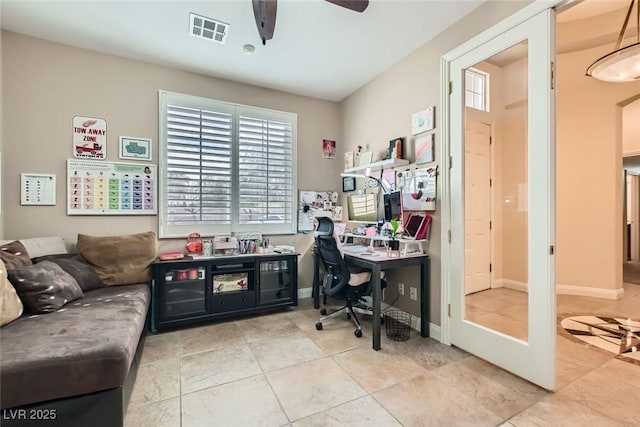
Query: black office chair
(337, 275)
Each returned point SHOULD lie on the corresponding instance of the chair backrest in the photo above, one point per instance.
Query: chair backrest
(336, 271)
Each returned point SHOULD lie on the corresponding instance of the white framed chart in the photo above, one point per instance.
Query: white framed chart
(37, 189)
(107, 188)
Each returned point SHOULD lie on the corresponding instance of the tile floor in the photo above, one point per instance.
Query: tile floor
(277, 370)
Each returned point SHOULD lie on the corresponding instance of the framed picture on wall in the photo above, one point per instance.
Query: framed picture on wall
(424, 149)
(348, 183)
(328, 149)
(365, 158)
(135, 148)
(348, 160)
(423, 121)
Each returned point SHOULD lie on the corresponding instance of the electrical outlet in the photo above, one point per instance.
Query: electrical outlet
(401, 288)
(413, 293)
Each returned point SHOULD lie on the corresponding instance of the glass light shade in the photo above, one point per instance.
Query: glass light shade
(622, 65)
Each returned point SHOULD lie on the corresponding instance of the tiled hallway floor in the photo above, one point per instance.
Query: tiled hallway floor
(277, 370)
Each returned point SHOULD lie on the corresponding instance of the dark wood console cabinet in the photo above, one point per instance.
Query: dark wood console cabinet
(190, 291)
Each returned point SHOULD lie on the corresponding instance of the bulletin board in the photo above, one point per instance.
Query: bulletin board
(317, 203)
(418, 189)
(106, 188)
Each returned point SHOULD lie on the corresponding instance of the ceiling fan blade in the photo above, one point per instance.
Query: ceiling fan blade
(265, 13)
(355, 5)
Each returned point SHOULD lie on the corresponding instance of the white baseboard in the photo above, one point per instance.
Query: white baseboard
(582, 291)
(511, 284)
(590, 292)
(435, 331)
(304, 293)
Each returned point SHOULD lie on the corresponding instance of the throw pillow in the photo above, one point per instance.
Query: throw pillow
(10, 305)
(77, 267)
(120, 260)
(14, 255)
(44, 287)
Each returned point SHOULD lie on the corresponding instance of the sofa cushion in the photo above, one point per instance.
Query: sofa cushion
(77, 267)
(86, 346)
(44, 287)
(14, 255)
(10, 305)
(120, 260)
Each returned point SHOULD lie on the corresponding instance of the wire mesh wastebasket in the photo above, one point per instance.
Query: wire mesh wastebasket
(398, 325)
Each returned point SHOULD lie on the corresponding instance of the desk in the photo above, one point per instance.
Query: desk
(377, 264)
(406, 242)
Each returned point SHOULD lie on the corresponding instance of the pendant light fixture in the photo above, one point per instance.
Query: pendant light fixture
(623, 64)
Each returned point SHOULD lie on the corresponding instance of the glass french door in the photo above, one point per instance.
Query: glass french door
(502, 189)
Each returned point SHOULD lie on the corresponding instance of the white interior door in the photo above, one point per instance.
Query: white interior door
(519, 61)
(477, 227)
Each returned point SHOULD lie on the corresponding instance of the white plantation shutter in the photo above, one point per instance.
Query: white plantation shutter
(265, 170)
(225, 168)
(198, 166)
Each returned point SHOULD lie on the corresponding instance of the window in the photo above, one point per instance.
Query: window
(225, 168)
(476, 89)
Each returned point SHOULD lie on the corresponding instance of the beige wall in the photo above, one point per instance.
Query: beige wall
(381, 110)
(631, 129)
(45, 84)
(513, 166)
(589, 176)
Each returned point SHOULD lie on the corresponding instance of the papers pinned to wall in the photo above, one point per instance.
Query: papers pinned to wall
(312, 204)
(418, 189)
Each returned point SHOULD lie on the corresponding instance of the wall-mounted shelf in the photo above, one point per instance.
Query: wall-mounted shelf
(382, 164)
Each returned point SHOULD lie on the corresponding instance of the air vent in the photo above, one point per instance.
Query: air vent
(208, 28)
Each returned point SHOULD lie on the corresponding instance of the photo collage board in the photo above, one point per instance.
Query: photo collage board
(317, 203)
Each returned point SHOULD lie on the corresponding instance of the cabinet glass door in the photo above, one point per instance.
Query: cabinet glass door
(276, 282)
(184, 292)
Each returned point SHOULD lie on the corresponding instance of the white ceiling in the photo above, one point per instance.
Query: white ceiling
(318, 49)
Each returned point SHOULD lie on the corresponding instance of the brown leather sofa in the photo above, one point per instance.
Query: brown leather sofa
(75, 366)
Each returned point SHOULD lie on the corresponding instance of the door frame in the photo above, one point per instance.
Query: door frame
(631, 204)
(446, 158)
(517, 18)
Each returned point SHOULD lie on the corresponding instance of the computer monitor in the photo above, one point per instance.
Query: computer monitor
(393, 206)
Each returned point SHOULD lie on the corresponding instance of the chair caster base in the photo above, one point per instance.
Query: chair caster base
(357, 332)
(323, 311)
(319, 326)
